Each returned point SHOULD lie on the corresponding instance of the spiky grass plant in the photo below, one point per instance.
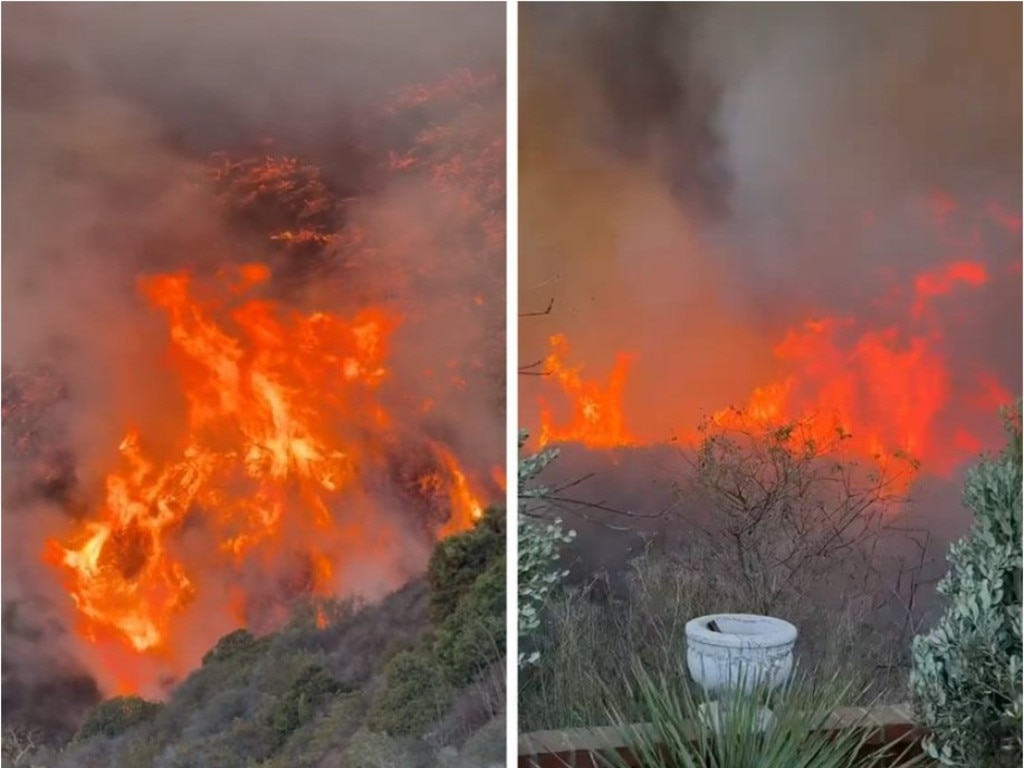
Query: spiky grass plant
(801, 731)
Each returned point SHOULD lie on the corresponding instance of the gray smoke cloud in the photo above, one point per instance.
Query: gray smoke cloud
(110, 114)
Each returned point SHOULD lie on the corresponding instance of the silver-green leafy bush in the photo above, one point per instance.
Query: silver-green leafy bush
(540, 544)
(966, 679)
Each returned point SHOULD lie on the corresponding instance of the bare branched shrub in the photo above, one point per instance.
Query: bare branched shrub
(787, 510)
(18, 745)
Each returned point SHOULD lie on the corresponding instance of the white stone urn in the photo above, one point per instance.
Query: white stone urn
(730, 652)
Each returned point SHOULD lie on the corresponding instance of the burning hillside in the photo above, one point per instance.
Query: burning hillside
(275, 413)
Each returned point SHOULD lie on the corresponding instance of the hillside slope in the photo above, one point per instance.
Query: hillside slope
(416, 680)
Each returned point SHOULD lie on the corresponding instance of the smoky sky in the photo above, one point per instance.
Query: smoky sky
(211, 69)
(747, 97)
(115, 105)
(695, 179)
(110, 114)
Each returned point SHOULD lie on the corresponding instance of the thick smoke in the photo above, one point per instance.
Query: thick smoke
(697, 178)
(110, 112)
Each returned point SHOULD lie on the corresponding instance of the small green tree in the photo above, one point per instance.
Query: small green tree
(966, 679)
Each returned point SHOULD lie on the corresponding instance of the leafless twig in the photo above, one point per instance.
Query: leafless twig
(546, 311)
(19, 744)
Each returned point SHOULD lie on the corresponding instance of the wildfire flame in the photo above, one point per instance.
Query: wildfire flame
(884, 388)
(597, 419)
(268, 394)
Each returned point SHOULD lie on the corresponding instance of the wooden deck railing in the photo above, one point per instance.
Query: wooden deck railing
(579, 747)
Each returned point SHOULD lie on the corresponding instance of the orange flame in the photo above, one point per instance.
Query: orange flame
(941, 281)
(597, 419)
(321, 620)
(465, 503)
(268, 393)
(884, 388)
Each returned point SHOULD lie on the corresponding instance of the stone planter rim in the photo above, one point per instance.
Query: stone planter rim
(777, 631)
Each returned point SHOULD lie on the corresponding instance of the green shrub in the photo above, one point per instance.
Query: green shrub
(91, 753)
(540, 546)
(311, 745)
(311, 689)
(275, 674)
(966, 681)
(416, 694)
(195, 694)
(141, 751)
(240, 644)
(459, 560)
(242, 744)
(278, 700)
(115, 716)
(473, 636)
(377, 750)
